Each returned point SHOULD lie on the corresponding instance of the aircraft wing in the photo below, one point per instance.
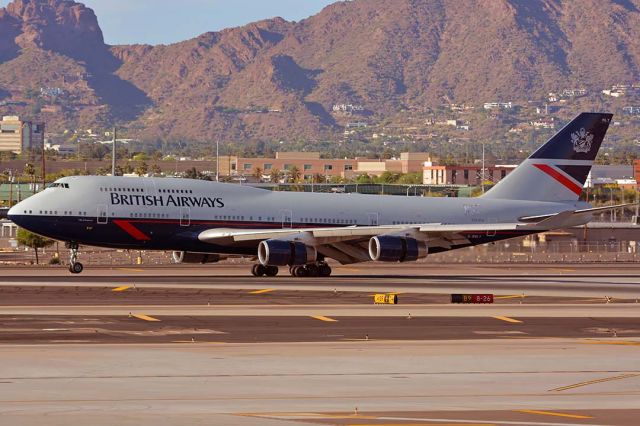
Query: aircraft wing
(350, 244)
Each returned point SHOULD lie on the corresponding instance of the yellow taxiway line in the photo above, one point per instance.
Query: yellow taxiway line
(424, 424)
(611, 342)
(122, 288)
(507, 319)
(264, 290)
(553, 413)
(323, 318)
(145, 317)
(593, 382)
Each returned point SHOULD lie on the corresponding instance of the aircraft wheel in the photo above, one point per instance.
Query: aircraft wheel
(312, 270)
(257, 270)
(324, 270)
(76, 268)
(271, 271)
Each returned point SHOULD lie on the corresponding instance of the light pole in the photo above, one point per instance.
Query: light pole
(482, 173)
(113, 154)
(408, 189)
(10, 188)
(612, 212)
(217, 161)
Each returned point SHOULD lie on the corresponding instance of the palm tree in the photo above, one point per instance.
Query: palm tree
(257, 172)
(319, 178)
(275, 175)
(294, 174)
(30, 170)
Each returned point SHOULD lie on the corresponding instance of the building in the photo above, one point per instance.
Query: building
(434, 174)
(636, 170)
(309, 164)
(62, 149)
(17, 135)
(497, 105)
(617, 175)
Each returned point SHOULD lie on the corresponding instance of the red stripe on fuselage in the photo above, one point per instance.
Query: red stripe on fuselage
(132, 230)
(568, 183)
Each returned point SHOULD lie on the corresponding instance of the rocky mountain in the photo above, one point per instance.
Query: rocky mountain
(275, 79)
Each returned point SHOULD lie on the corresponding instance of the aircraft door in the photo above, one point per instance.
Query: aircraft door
(102, 214)
(185, 216)
(373, 219)
(492, 232)
(287, 219)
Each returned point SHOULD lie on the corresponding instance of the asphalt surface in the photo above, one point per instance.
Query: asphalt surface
(127, 294)
(588, 281)
(51, 329)
(213, 345)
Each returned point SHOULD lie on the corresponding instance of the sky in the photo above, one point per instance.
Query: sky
(169, 21)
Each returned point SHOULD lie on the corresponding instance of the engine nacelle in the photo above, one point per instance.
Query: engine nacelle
(281, 253)
(191, 257)
(389, 248)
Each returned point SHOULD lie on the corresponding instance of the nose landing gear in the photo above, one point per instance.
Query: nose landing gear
(75, 267)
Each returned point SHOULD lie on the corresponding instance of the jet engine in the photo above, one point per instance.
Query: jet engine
(191, 257)
(389, 248)
(281, 253)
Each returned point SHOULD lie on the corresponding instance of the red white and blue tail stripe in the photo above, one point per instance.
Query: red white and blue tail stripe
(559, 169)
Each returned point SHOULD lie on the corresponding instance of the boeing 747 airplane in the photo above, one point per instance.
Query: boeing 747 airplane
(201, 221)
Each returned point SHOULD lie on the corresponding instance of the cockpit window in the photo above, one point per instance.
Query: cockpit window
(59, 185)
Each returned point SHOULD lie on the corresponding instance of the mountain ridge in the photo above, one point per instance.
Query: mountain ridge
(275, 79)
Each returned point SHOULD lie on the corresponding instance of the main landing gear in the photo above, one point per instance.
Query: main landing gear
(319, 269)
(259, 270)
(75, 267)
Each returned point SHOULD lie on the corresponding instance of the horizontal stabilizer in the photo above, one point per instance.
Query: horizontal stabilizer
(577, 212)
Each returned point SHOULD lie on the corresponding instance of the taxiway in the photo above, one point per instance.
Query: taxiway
(212, 345)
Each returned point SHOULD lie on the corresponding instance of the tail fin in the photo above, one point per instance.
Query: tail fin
(558, 170)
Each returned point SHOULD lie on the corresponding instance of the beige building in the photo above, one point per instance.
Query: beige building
(434, 174)
(17, 135)
(310, 164)
(307, 163)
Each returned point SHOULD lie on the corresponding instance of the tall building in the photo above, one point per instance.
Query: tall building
(18, 136)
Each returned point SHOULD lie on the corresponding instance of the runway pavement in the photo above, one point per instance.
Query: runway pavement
(212, 345)
(488, 382)
(591, 280)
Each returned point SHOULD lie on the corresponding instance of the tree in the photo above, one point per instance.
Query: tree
(30, 170)
(294, 174)
(275, 175)
(142, 169)
(155, 169)
(364, 178)
(102, 171)
(257, 173)
(141, 156)
(34, 241)
(191, 173)
(319, 178)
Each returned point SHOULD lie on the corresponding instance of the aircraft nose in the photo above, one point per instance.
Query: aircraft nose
(14, 213)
